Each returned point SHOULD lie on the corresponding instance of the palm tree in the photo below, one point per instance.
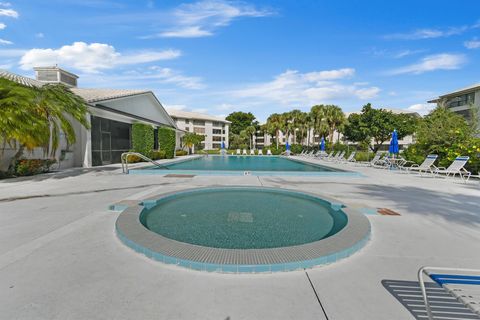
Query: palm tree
(250, 130)
(275, 124)
(192, 139)
(319, 117)
(295, 122)
(34, 117)
(334, 117)
(56, 103)
(19, 124)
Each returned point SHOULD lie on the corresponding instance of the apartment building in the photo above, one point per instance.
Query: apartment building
(213, 128)
(461, 101)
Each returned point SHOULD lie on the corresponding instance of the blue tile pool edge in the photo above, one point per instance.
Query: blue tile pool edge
(240, 268)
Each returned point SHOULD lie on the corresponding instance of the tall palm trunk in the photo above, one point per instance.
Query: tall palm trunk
(277, 136)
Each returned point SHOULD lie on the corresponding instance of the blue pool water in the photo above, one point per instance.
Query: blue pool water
(243, 218)
(246, 163)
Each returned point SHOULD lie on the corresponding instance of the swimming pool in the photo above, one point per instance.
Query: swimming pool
(243, 218)
(242, 229)
(242, 165)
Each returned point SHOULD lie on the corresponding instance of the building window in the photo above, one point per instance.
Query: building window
(216, 124)
(109, 140)
(187, 128)
(217, 131)
(216, 138)
(187, 121)
(199, 130)
(198, 122)
(216, 145)
(462, 100)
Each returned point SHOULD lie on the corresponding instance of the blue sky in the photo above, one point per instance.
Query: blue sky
(219, 56)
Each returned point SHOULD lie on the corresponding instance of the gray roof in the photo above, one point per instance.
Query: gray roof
(90, 95)
(95, 95)
(473, 87)
(194, 115)
(29, 82)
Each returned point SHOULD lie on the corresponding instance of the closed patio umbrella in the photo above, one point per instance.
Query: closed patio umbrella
(393, 148)
(322, 144)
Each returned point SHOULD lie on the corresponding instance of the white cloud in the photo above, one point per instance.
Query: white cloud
(2, 26)
(429, 33)
(11, 53)
(293, 87)
(472, 44)
(442, 61)
(5, 42)
(39, 35)
(422, 108)
(202, 18)
(91, 57)
(200, 110)
(405, 53)
(225, 107)
(9, 13)
(5, 4)
(176, 107)
(170, 76)
(187, 32)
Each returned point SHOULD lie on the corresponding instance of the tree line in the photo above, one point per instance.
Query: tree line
(323, 121)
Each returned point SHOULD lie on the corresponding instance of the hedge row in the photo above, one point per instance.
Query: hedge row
(166, 141)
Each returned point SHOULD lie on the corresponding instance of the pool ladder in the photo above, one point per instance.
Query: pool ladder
(124, 158)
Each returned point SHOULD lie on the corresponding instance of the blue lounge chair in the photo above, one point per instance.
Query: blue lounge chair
(463, 284)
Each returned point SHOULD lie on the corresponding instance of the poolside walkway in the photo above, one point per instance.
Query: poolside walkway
(60, 257)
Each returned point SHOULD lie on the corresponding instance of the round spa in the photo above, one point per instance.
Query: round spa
(242, 229)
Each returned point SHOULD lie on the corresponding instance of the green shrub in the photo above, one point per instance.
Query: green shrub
(29, 167)
(166, 141)
(181, 153)
(142, 138)
(131, 158)
(296, 148)
(158, 154)
(364, 156)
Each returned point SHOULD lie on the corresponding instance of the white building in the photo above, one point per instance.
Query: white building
(213, 128)
(111, 113)
(462, 101)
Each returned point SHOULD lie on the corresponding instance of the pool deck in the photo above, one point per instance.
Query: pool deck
(60, 257)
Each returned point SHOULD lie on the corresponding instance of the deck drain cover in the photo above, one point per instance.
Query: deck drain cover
(387, 212)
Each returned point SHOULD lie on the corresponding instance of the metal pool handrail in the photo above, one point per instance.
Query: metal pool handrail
(124, 158)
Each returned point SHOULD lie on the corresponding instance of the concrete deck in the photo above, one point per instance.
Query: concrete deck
(60, 257)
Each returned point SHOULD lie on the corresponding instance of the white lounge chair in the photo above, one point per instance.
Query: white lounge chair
(327, 156)
(426, 166)
(269, 152)
(372, 162)
(463, 284)
(252, 152)
(260, 152)
(341, 157)
(244, 152)
(335, 156)
(457, 167)
(238, 152)
(351, 157)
